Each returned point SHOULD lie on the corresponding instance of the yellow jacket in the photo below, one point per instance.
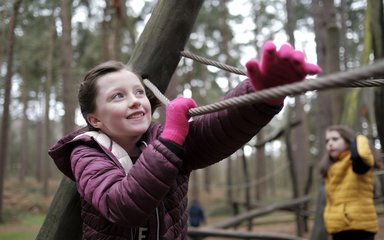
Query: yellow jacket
(350, 203)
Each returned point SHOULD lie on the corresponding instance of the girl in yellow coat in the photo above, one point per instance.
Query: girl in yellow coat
(348, 172)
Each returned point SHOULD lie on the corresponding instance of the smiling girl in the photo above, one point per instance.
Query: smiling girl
(132, 174)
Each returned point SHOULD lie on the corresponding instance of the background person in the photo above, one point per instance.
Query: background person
(348, 170)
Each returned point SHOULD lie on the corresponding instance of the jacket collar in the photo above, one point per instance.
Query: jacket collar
(112, 146)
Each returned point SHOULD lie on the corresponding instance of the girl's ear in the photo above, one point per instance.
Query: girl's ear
(93, 120)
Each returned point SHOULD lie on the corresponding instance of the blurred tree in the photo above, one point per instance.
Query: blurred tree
(114, 20)
(258, 8)
(69, 93)
(31, 63)
(377, 26)
(3, 30)
(270, 20)
(260, 168)
(295, 139)
(5, 123)
(24, 158)
(324, 13)
(360, 112)
(45, 140)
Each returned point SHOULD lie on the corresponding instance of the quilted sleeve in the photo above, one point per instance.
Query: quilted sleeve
(213, 137)
(125, 199)
(361, 155)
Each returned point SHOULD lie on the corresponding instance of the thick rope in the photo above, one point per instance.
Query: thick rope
(207, 61)
(163, 99)
(341, 79)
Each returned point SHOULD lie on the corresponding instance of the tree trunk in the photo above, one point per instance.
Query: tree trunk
(378, 51)
(229, 182)
(332, 66)
(63, 220)
(7, 101)
(24, 157)
(38, 153)
(292, 170)
(66, 67)
(119, 24)
(324, 112)
(46, 123)
(318, 231)
(324, 103)
(156, 54)
(298, 149)
(261, 169)
(104, 34)
(207, 179)
(194, 185)
(301, 152)
(344, 9)
(247, 186)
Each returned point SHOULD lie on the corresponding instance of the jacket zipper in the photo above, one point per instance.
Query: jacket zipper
(157, 225)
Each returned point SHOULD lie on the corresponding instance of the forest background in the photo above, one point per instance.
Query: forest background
(46, 47)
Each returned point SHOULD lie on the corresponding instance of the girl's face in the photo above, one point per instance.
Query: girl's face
(123, 111)
(335, 144)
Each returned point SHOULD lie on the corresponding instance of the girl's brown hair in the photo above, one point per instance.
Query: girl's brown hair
(88, 89)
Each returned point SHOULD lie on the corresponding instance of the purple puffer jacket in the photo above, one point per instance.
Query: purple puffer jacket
(154, 191)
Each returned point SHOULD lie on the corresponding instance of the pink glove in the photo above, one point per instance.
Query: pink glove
(278, 68)
(176, 123)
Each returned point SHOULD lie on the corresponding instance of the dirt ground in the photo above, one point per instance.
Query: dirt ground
(289, 228)
(276, 228)
(276, 223)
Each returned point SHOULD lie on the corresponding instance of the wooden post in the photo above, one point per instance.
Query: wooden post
(157, 55)
(318, 231)
(63, 220)
(157, 52)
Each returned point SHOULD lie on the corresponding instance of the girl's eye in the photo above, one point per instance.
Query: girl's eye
(140, 92)
(118, 96)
